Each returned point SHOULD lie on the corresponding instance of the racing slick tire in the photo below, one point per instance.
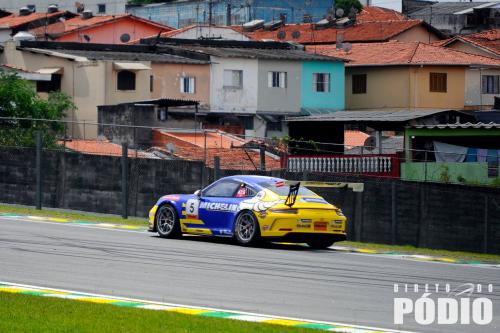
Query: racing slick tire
(247, 229)
(167, 222)
(320, 243)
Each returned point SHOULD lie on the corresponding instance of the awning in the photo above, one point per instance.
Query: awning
(130, 66)
(51, 70)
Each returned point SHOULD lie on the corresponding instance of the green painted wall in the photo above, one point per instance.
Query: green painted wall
(467, 173)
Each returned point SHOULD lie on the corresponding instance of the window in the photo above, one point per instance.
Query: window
(161, 114)
(187, 84)
(101, 8)
(438, 82)
(233, 79)
(274, 126)
(276, 79)
(151, 83)
(490, 84)
(321, 82)
(126, 80)
(48, 86)
(224, 188)
(245, 192)
(359, 84)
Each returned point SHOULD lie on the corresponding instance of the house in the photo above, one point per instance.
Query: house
(453, 153)
(91, 74)
(220, 12)
(204, 31)
(97, 6)
(456, 18)
(256, 84)
(26, 20)
(425, 76)
(104, 29)
(372, 24)
(485, 43)
(206, 145)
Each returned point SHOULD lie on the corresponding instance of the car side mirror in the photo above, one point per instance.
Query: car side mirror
(197, 193)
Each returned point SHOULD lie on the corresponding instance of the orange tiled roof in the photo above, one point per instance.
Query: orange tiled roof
(488, 40)
(97, 147)
(377, 14)
(360, 32)
(79, 23)
(12, 21)
(402, 53)
(354, 138)
(189, 147)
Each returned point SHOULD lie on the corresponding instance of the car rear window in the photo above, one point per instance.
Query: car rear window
(284, 189)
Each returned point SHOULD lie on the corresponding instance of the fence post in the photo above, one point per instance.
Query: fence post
(486, 225)
(124, 180)
(305, 174)
(39, 146)
(216, 168)
(393, 213)
(262, 152)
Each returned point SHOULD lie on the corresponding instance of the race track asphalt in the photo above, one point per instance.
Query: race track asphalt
(291, 281)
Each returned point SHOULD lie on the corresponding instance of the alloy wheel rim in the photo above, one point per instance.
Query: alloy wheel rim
(166, 220)
(246, 227)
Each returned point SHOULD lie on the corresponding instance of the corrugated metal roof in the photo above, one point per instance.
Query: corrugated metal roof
(445, 8)
(465, 125)
(395, 115)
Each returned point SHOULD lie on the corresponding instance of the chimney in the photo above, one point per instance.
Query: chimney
(87, 14)
(52, 9)
(24, 11)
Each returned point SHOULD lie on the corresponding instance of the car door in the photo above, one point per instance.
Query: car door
(219, 204)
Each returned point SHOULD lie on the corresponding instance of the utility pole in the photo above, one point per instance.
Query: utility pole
(210, 4)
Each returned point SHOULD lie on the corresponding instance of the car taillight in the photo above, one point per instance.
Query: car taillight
(284, 211)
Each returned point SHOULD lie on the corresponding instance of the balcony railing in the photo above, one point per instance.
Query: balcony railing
(371, 165)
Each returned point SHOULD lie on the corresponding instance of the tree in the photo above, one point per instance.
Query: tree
(18, 99)
(347, 5)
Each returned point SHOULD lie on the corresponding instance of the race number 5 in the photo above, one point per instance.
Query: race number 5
(192, 208)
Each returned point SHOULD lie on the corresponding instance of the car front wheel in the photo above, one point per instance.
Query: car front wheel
(167, 222)
(246, 228)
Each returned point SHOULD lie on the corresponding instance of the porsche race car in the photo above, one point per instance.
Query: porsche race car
(253, 208)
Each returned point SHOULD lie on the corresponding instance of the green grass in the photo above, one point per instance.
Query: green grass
(27, 313)
(23, 210)
(408, 249)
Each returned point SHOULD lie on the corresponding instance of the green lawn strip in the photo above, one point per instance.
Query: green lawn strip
(470, 257)
(74, 216)
(26, 313)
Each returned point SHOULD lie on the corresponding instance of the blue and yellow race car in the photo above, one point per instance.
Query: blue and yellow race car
(253, 208)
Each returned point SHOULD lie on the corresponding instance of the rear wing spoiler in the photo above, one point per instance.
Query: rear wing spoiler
(295, 185)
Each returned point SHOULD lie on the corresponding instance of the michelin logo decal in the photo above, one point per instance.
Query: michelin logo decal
(219, 206)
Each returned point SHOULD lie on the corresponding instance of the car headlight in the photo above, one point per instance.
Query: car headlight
(339, 212)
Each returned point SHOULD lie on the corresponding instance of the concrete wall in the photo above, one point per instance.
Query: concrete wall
(111, 33)
(229, 99)
(417, 34)
(473, 95)
(279, 99)
(167, 81)
(422, 97)
(453, 217)
(335, 99)
(381, 83)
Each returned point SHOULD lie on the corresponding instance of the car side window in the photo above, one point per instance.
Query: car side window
(245, 192)
(225, 188)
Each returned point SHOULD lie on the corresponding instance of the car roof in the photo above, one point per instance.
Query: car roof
(252, 179)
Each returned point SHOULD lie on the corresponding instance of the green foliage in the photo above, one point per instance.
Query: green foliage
(444, 176)
(346, 5)
(18, 99)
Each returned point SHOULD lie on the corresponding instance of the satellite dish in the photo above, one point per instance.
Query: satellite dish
(296, 34)
(281, 35)
(171, 148)
(347, 47)
(370, 143)
(339, 12)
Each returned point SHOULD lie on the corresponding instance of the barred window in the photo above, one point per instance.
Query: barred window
(490, 84)
(276, 79)
(438, 82)
(359, 84)
(321, 82)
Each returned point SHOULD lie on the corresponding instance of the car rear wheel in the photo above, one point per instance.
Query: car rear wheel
(320, 243)
(246, 228)
(167, 222)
